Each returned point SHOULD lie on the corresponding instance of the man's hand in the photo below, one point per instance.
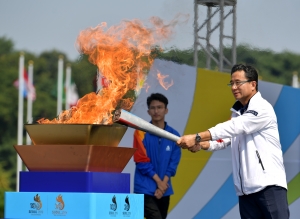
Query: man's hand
(195, 148)
(187, 141)
(202, 145)
(163, 186)
(158, 194)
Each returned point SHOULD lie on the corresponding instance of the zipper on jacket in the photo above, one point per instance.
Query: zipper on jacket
(259, 160)
(240, 170)
(158, 160)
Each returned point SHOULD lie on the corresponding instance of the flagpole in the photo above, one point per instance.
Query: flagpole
(295, 82)
(29, 99)
(20, 115)
(68, 84)
(60, 84)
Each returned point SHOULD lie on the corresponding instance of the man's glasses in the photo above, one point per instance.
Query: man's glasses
(237, 83)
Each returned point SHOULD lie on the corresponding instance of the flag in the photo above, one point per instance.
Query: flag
(72, 95)
(101, 81)
(29, 89)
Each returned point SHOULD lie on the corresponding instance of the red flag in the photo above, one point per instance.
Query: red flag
(29, 89)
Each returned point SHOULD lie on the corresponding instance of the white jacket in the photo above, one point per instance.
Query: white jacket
(256, 151)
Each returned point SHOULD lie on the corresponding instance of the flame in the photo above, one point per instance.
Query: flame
(146, 86)
(122, 55)
(161, 78)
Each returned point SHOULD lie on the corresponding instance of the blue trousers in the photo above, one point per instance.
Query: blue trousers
(269, 203)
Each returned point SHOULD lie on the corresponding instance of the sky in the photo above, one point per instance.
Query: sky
(39, 25)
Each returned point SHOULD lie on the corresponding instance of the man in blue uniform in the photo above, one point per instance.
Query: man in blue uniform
(156, 161)
(258, 171)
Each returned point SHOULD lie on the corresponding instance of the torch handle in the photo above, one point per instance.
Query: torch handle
(135, 122)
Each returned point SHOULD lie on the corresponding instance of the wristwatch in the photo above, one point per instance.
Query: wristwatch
(198, 138)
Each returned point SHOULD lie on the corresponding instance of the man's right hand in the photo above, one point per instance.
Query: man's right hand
(163, 186)
(202, 145)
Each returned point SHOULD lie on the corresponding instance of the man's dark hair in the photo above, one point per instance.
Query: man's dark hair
(250, 72)
(159, 97)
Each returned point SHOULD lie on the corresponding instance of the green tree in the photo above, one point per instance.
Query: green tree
(272, 67)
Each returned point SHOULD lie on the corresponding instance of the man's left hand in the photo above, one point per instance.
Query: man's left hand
(186, 141)
(158, 193)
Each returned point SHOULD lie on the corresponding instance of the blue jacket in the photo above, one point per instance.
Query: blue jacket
(154, 155)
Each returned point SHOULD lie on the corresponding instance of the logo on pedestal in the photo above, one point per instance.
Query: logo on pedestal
(36, 206)
(126, 213)
(59, 206)
(113, 207)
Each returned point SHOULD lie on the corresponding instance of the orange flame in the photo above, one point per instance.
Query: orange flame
(122, 55)
(161, 78)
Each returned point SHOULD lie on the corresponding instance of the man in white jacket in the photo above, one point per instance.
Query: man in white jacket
(258, 170)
